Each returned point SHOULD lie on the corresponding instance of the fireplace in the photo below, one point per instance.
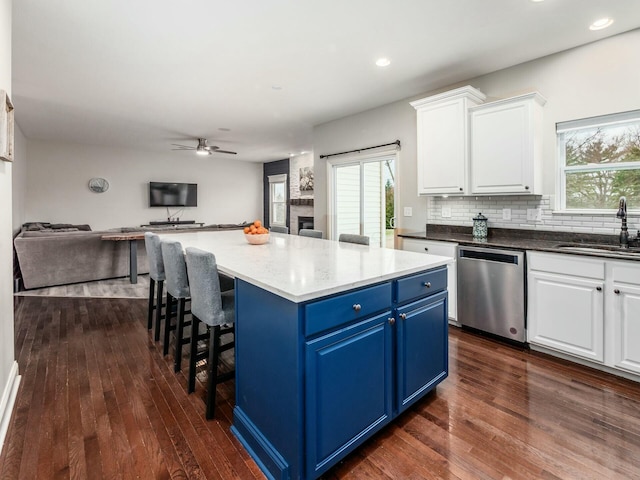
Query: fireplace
(305, 222)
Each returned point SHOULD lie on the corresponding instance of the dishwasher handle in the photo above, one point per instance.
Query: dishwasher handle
(489, 255)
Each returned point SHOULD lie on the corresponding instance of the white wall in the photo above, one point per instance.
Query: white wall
(8, 366)
(19, 179)
(229, 191)
(595, 79)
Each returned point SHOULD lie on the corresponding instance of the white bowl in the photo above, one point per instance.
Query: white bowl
(259, 239)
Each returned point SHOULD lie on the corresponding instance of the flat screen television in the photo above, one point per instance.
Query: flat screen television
(164, 194)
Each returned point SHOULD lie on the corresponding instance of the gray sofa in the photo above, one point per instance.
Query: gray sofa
(61, 254)
(58, 258)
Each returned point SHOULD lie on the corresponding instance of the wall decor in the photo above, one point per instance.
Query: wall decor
(98, 185)
(306, 179)
(6, 127)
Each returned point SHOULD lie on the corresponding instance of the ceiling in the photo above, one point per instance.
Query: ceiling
(255, 76)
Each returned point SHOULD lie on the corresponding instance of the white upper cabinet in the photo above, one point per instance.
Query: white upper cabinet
(506, 146)
(443, 133)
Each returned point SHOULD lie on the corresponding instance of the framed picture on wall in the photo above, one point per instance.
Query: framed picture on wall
(306, 179)
(6, 127)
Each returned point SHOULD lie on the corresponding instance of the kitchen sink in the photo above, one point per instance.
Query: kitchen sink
(602, 249)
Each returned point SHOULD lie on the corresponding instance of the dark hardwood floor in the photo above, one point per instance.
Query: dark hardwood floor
(98, 400)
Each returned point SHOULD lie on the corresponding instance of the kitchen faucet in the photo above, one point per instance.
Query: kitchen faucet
(622, 214)
(625, 241)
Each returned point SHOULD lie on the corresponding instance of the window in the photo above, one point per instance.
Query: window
(278, 200)
(599, 161)
(362, 198)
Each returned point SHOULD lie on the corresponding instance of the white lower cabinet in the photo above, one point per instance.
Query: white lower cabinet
(445, 249)
(586, 307)
(566, 313)
(625, 313)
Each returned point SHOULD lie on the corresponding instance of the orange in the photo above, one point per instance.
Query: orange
(246, 229)
(257, 223)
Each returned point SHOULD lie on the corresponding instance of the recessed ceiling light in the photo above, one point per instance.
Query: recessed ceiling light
(536, 1)
(224, 129)
(601, 23)
(383, 62)
(276, 87)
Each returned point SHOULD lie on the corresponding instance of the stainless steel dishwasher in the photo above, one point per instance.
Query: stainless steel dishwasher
(491, 295)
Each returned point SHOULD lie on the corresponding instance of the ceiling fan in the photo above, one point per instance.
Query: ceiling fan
(203, 148)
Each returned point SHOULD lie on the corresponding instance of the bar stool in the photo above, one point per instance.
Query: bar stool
(277, 229)
(217, 310)
(177, 289)
(353, 238)
(156, 277)
(309, 232)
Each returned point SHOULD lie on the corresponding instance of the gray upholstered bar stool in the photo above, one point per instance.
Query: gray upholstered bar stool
(177, 284)
(156, 278)
(353, 238)
(309, 232)
(217, 310)
(277, 229)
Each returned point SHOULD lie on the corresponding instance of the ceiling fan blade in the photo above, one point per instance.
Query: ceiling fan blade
(182, 147)
(224, 151)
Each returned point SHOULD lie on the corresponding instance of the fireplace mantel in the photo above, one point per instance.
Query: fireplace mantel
(301, 202)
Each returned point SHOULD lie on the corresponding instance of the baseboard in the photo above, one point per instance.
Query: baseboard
(7, 401)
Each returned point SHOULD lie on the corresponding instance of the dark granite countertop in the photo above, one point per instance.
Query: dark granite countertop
(520, 239)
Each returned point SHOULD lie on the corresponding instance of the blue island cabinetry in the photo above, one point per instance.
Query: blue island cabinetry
(315, 379)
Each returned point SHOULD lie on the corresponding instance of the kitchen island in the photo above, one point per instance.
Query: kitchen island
(333, 341)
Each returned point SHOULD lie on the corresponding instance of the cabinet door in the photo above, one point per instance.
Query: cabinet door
(567, 314)
(442, 148)
(502, 148)
(348, 390)
(446, 249)
(626, 301)
(422, 348)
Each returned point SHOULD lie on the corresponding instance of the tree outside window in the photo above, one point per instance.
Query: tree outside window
(600, 161)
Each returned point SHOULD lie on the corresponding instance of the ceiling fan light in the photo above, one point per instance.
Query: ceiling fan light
(202, 148)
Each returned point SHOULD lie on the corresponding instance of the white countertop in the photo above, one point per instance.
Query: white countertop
(303, 268)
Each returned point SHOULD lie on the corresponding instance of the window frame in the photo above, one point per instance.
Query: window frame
(562, 128)
(275, 180)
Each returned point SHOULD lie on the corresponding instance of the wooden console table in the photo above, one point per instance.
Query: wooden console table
(132, 238)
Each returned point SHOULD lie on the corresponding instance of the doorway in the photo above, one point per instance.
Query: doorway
(362, 199)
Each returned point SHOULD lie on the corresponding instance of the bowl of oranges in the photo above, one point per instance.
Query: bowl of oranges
(256, 234)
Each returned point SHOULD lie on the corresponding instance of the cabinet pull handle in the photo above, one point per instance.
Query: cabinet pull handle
(526, 187)
(403, 316)
(357, 307)
(460, 189)
(426, 249)
(392, 320)
(427, 284)
(616, 291)
(599, 289)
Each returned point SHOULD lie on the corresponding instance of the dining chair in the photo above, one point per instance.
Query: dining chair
(278, 229)
(214, 308)
(353, 238)
(177, 284)
(156, 279)
(309, 232)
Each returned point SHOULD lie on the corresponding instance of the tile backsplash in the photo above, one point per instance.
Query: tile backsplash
(463, 209)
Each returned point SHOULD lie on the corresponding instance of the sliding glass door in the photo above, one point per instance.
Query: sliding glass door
(363, 198)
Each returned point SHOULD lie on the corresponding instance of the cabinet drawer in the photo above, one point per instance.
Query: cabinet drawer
(577, 265)
(421, 285)
(445, 249)
(346, 308)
